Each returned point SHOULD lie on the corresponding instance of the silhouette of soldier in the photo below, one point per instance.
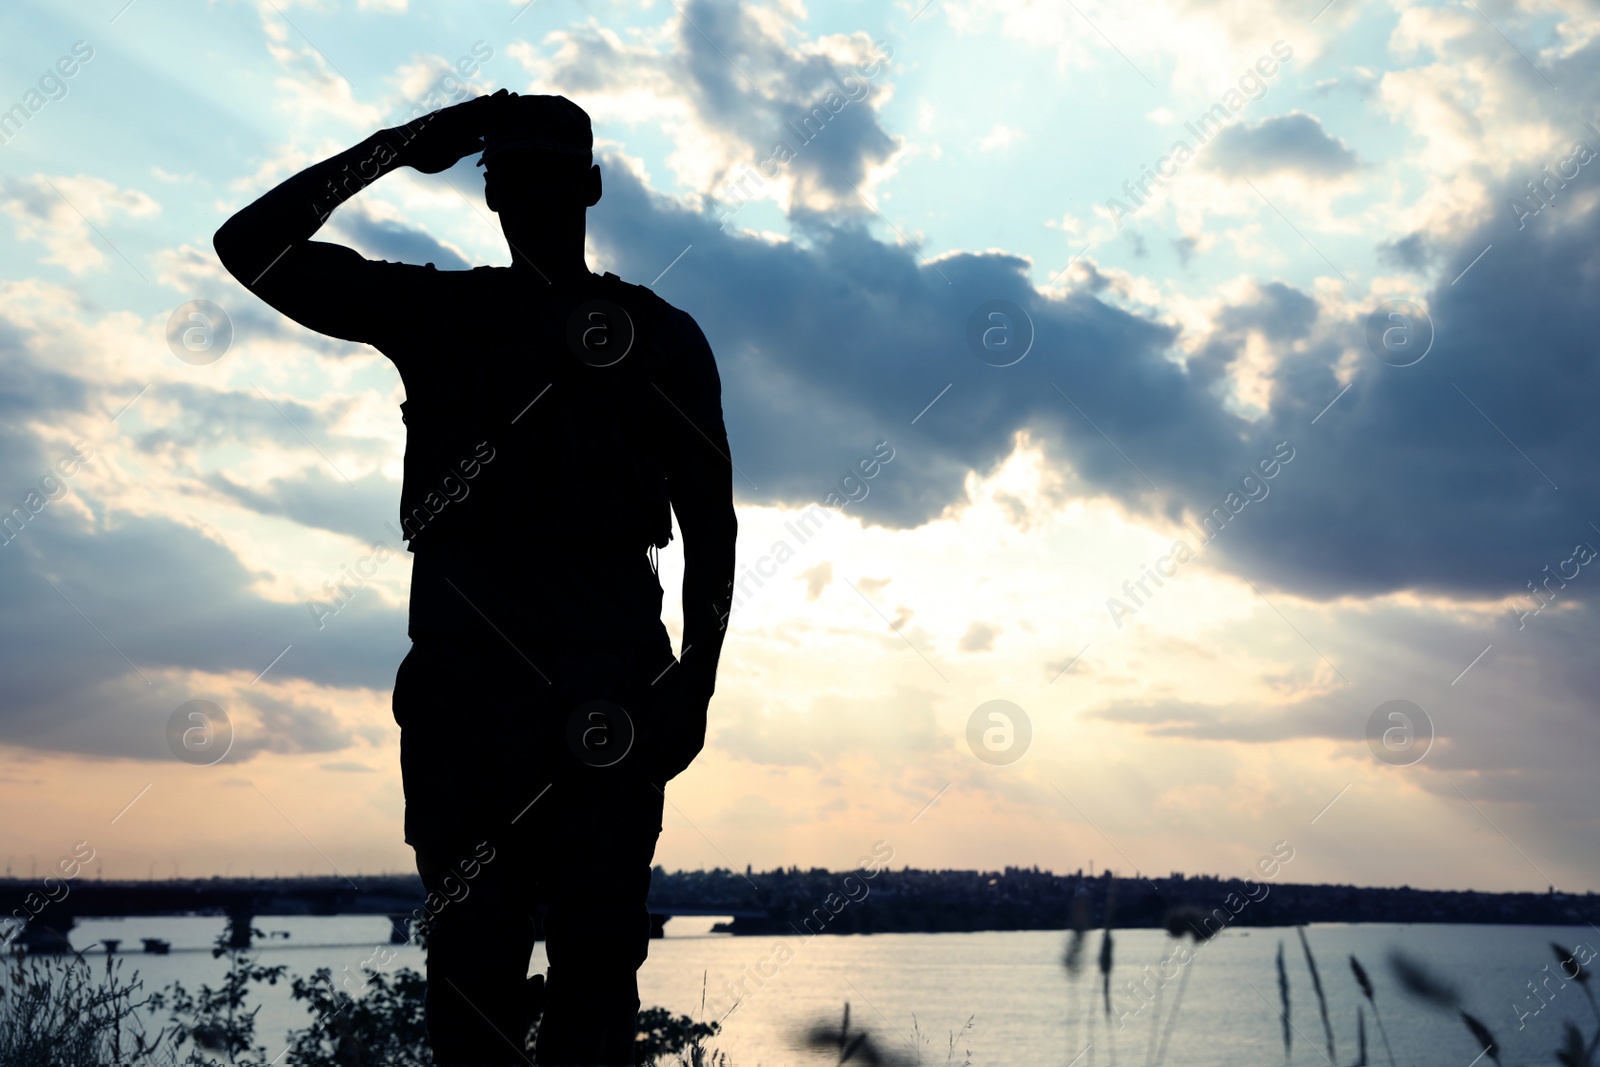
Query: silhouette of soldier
(553, 418)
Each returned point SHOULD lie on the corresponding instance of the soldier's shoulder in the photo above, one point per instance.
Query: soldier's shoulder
(672, 318)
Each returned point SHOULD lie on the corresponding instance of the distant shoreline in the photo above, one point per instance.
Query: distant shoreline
(907, 900)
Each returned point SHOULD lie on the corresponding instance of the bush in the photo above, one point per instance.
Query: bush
(216, 1020)
(383, 1027)
(57, 1012)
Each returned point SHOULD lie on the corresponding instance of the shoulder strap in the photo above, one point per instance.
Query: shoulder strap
(639, 428)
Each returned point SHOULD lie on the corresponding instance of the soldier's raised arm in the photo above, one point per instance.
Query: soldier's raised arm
(327, 287)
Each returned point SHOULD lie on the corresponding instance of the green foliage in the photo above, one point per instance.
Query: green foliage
(385, 1026)
(662, 1033)
(55, 1012)
(216, 1020)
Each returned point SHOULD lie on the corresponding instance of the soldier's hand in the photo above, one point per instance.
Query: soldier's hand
(680, 725)
(439, 140)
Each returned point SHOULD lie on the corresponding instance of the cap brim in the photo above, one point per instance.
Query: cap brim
(534, 144)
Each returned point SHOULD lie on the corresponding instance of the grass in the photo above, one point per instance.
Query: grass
(851, 1044)
(58, 1013)
(1417, 979)
(858, 1046)
(1413, 976)
(1316, 987)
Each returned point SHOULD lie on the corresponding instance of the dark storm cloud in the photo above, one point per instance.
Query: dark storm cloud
(827, 344)
(1444, 475)
(1294, 142)
(1411, 252)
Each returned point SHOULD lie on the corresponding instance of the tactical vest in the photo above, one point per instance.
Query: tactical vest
(533, 435)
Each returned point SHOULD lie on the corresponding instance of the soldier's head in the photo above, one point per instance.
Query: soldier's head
(539, 161)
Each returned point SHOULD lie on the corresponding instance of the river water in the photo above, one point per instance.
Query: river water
(1023, 1009)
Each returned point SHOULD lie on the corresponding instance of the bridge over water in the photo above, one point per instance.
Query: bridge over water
(52, 908)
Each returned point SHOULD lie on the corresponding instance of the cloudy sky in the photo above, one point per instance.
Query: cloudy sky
(1092, 273)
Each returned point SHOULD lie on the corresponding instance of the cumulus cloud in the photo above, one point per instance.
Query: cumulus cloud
(375, 233)
(122, 602)
(319, 500)
(1000, 138)
(979, 638)
(1137, 39)
(755, 108)
(311, 88)
(62, 213)
(817, 579)
(202, 417)
(288, 726)
(1294, 142)
(1412, 252)
(159, 600)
